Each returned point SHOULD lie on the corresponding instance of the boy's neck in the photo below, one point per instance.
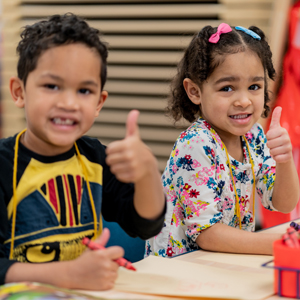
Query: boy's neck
(44, 151)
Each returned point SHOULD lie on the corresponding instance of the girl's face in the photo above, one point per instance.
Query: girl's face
(232, 98)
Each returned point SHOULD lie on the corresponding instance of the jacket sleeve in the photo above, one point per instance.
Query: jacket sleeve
(5, 263)
(117, 206)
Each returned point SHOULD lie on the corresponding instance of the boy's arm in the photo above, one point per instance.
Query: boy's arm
(149, 199)
(286, 187)
(93, 270)
(132, 161)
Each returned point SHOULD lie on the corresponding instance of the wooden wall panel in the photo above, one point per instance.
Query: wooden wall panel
(146, 40)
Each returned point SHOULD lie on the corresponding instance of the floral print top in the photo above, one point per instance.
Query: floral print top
(199, 188)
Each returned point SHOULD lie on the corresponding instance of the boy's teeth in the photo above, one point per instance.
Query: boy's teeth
(59, 121)
(239, 116)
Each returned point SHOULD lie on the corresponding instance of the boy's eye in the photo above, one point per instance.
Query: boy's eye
(254, 87)
(84, 91)
(226, 89)
(51, 86)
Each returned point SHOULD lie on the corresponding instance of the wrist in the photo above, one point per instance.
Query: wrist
(67, 277)
(150, 167)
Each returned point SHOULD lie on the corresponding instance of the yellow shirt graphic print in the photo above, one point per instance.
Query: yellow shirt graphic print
(53, 209)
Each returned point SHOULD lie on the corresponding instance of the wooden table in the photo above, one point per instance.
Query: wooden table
(199, 257)
(192, 256)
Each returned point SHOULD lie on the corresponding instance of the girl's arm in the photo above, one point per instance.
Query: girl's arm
(223, 238)
(286, 186)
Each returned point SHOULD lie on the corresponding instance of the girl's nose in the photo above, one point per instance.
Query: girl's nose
(243, 100)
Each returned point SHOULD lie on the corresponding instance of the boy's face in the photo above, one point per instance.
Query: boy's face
(62, 97)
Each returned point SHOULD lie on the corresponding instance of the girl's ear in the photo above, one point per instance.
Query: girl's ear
(193, 91)
(17, 91)
(101, 101)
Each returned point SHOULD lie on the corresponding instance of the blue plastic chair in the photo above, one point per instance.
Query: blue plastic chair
(134, 247)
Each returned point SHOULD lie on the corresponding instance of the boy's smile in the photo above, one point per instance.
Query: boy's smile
(62, 97)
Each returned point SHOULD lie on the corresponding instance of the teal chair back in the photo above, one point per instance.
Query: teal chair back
(134, 247)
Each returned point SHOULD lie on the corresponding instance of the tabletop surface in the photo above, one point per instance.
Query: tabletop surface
(34, 291)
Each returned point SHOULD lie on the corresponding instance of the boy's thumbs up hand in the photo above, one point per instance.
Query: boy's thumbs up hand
(129, 158)
(131, 123)
(278, 138)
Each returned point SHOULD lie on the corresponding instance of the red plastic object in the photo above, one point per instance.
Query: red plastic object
(286, 262)
(289, 94)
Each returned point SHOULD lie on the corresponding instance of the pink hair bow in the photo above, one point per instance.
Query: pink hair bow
(222, 28)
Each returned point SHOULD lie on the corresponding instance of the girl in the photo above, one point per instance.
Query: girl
(224, 158)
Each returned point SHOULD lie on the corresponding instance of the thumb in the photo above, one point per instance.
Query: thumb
(275, 120)
(104, 237)
(132, 127)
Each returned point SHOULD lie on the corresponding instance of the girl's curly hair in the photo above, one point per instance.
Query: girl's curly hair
(201, 59)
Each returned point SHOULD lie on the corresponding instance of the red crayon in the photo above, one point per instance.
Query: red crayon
(120, 261)
(293, 235)
(286, 239)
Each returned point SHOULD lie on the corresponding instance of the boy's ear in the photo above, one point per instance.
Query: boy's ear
(102, 99)
(193, 91)
(17, 91)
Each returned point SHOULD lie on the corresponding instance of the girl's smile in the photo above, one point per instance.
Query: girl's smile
(241, 118)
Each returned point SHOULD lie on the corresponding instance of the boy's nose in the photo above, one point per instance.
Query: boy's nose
(68, 101)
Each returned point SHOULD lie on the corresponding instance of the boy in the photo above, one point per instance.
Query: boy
(57, 181)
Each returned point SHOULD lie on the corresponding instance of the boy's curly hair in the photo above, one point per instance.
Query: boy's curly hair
(202, 57)
(57, 30)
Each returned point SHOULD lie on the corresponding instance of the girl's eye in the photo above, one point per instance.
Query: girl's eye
(254, 87)
(51, 86)
(226, 89)
(84, 91)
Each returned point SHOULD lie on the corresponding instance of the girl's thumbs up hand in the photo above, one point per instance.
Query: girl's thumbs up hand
(278, 138)
(130, 159)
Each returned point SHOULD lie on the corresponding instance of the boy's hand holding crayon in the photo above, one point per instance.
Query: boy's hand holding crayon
(130, 159)
(95, 269)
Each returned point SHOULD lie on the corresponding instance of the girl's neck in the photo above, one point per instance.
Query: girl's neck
(233, 143)
(235, 148)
